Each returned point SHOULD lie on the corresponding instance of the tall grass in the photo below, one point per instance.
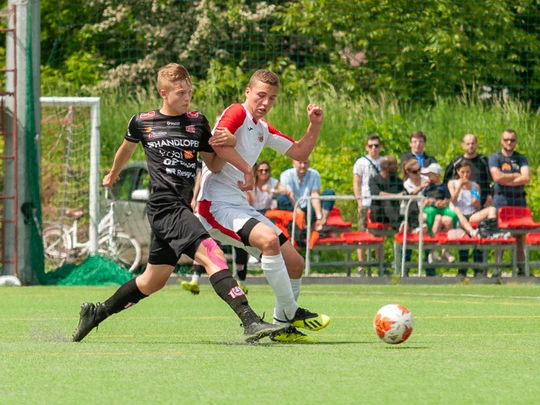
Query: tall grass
(349, 121)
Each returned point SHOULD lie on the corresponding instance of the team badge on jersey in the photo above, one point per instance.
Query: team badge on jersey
(147, 115)
(190, 129)
(188, 154)
(261, 136)
(192, 114)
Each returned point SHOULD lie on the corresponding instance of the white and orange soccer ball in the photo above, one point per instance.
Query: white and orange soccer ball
(393, 324)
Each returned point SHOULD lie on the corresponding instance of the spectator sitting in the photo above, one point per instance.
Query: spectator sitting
(415, 182)
(266, 188)
(304, 182)
(479, 168)
(387, 183)
(439, 216)
(465, 199)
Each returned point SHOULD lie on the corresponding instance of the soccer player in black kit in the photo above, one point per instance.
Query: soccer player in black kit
(172, 136)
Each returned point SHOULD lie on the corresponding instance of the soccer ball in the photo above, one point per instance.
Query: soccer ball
(393, 324)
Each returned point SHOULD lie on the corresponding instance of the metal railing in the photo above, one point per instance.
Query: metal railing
(406, 197)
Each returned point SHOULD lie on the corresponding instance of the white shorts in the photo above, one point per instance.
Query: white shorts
(223, 221)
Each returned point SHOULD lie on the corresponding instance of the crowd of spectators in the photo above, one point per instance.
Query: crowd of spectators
(468, 191)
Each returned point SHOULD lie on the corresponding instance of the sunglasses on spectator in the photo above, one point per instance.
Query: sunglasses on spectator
(414, 171)
(373, 145)
(509, 140)
(263, 170)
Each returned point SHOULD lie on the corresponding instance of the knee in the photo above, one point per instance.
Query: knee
(268, 241)
(150, 285)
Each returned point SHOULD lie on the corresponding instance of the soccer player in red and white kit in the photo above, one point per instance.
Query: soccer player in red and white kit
(172, 136)
(226, 213)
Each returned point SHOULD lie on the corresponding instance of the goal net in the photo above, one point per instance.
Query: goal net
(70, 164)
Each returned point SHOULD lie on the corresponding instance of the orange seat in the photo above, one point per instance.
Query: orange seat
(376, 225)
(361, 237)
(335, 219)
(516, 218)
(415, 238)
(282, 219)
(532, 239)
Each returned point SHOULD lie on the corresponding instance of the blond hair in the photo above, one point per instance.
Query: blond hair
(265, 76)
(171, 73)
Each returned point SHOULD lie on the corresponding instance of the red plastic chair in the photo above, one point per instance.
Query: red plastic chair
(516, 218)
(335, 220)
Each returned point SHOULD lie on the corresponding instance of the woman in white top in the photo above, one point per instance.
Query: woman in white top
(465, 199)
(414, 182)
(266, 188)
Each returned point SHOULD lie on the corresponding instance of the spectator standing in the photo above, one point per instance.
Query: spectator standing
(481, 175)
(364, 168)
(417, 143)
(304, 181)
(510, 172)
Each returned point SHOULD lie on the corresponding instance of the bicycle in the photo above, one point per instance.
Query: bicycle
(61, 244)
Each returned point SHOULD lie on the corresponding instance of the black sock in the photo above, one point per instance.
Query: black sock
(241, 274)
(227, 288)
(198, 269)
(126, 296)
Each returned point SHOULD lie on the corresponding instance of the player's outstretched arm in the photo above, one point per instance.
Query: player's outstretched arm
(303, 148)
(123, 154)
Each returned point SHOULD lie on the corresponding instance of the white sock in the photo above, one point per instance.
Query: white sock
(295, 284)
(195, 277)
(276, 273)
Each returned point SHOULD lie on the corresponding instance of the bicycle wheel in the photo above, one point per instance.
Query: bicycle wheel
(121, 249)
(56, 246)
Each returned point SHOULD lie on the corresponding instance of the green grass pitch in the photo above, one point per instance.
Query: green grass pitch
(472, 344)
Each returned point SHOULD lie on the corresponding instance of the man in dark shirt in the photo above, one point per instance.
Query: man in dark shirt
(387, 183)
(510, 172)
(417, 142)
(479, 168)
(172, 137)
(479, 174)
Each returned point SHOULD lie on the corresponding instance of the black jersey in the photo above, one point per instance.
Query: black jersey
(171, 145)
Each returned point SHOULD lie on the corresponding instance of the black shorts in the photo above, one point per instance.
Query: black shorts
(176, 231)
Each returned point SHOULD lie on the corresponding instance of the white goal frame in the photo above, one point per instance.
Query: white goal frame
(95, 146)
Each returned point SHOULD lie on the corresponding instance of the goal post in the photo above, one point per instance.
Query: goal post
(75, 151)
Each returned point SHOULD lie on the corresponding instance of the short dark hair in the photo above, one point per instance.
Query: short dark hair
(418, 135)
(373, 137)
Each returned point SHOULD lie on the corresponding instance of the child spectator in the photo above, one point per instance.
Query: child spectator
(438, 213)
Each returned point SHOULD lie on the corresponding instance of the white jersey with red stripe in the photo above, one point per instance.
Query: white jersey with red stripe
(251, 137)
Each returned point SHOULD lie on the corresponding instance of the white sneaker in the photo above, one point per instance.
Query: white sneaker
(474, 234)
(253, 260)
(447, 257)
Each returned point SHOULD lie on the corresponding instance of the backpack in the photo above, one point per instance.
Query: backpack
(488, 227)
